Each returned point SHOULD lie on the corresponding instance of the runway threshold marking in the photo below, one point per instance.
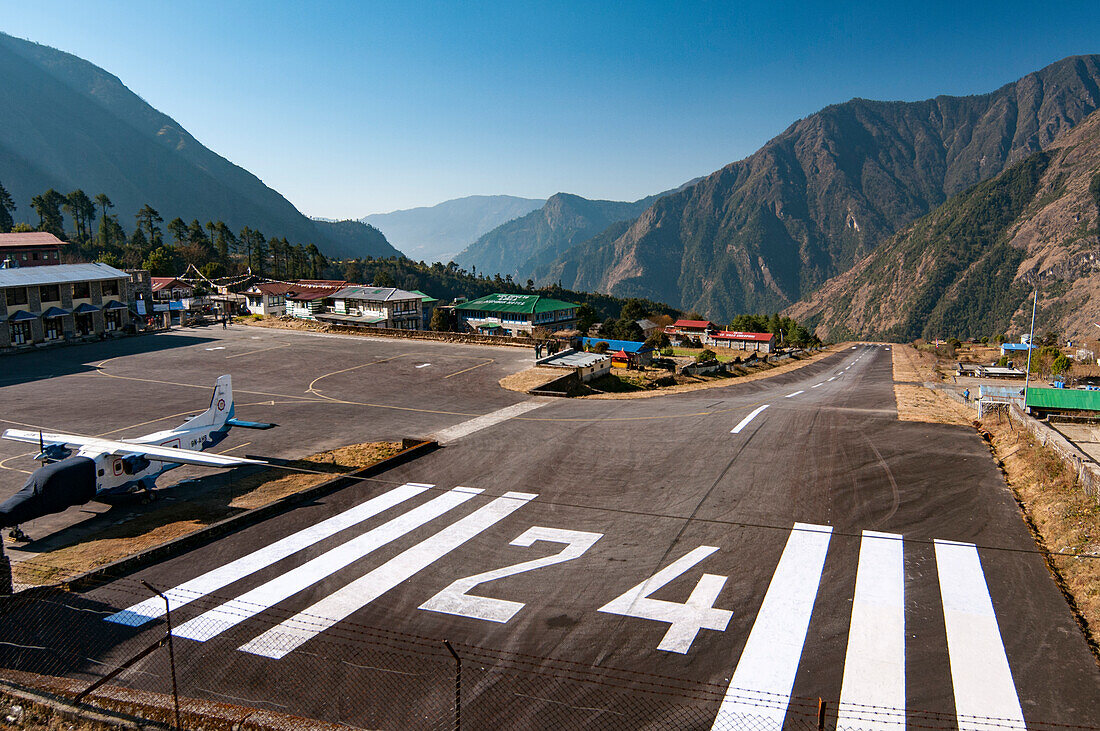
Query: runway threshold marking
(980, 674)
(792, 395)
(211, 581)
(291, 633)
(874, 666)
(745, 422)
(466, 428)
(215, 621)
(760, 689)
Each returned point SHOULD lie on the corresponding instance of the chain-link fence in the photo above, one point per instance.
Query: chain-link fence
(370, 677)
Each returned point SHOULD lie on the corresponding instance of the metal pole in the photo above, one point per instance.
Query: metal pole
(171, 652)
(821, 708)
(1030, 347)
(458, 685)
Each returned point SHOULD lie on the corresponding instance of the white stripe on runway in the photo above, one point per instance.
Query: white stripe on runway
(792, 395)
(985, 695)
(745, 422)
(831, 379)
(872, 694)
(222, 576)
(233, 612)
(818, 384)
(760, 688)
(283, 638)
(466, 428)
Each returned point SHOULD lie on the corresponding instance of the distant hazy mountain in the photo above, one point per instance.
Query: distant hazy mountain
(523, 246)
(438, 233)
(66, 123)
(968, 268)
(762, 233)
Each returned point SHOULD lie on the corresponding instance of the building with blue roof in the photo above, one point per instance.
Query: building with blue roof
(632, 352)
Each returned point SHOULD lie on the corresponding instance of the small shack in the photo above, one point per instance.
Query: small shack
(628, 353)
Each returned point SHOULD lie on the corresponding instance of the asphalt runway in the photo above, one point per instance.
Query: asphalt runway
(721, 559)
(323, 391)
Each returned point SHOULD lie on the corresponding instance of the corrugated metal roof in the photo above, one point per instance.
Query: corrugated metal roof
(737, 335)
(630, 346)
(1063, 398)
(700, 324)
(524, 303)
(374, 294)
(424, 296)
(29, 238)
(355, 320)
(59, 274)
(159, 283)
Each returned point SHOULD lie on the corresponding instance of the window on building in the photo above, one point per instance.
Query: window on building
(82, 290)
(16, 296)
(50, 293)
(110, 288)
(52, 328)
(20, 332)
(112, 320)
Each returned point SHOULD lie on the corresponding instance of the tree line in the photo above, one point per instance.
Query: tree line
(212, 247)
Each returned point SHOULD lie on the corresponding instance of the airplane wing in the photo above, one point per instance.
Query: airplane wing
(121, 449)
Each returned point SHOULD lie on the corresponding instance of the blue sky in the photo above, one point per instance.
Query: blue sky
(350, 108)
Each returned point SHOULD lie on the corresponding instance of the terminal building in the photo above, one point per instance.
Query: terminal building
(63, 303)
(516, 314)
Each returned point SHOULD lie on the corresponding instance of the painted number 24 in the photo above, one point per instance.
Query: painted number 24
(685, 620)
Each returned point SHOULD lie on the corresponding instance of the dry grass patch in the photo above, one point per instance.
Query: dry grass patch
(186, 509)
(914, 366)
(1065, 521)
(531, 378)
(917, 403)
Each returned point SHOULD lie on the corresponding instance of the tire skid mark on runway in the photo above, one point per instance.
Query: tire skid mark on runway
(895, 491)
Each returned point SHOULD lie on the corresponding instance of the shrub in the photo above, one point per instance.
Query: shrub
(705, 356)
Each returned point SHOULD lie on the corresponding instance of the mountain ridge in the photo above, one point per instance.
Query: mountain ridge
(440, 232)
(66, 123)
(763, 232)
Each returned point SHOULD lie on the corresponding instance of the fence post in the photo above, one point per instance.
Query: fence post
(458, 685)
(171, 652)
(821, 707)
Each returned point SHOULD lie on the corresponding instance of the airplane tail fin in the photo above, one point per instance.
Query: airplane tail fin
(221, 405)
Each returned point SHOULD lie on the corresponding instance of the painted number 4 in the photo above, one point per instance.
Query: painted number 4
(685, 619)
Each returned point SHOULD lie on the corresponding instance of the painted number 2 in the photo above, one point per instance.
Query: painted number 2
(455, 600)
(685, 619)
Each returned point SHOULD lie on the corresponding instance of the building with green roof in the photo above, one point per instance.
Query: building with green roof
(517, 314)
(1046, 400)
(427, 307)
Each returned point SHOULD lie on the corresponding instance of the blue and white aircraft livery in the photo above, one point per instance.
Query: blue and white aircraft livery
(104, 468)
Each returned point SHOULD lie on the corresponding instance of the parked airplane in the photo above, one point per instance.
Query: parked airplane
(103, 469)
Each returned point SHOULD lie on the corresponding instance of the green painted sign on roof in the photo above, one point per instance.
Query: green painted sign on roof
(526, 303)
(1063, 398)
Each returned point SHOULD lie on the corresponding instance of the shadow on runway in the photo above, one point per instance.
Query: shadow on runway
(67, 360)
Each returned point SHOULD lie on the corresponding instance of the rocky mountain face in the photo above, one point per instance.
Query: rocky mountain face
(968, 268)
(764, 232)
(439, 232)
(66, 124)
(526, 245)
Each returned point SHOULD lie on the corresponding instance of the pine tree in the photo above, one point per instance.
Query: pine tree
(7, 207)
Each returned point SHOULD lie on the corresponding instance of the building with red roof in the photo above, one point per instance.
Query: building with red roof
(30, 249)
(760, 342)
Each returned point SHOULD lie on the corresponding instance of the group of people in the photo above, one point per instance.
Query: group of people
(548, 347)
